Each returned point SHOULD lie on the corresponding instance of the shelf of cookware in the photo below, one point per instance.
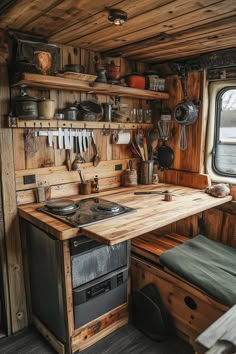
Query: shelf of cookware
(54, 123)
(55, 82)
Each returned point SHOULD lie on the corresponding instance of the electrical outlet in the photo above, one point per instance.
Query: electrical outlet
(29, 179)
(118, 167)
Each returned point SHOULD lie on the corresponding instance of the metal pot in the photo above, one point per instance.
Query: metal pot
(70, 113)
(89, 110)
(25, 106)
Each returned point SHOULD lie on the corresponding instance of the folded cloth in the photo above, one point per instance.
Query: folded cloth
(207, 264)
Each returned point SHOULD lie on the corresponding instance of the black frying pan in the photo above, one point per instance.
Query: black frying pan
(165, 156)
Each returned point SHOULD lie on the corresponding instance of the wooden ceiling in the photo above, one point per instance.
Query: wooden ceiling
(156, 30)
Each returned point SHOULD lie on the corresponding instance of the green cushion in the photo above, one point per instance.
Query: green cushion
(208, 264)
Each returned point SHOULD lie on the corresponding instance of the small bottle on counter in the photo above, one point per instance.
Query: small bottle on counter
(95, 185)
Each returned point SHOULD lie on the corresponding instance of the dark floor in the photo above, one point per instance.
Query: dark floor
(126, 340)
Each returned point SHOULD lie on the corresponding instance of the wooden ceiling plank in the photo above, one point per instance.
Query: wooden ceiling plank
(195, 44)
(183, 26)
(19, 15)
(133, 9)
(144, 25)
(145, 46)
(185, 40)
(188, 52)
(184, 21)
(69, 13)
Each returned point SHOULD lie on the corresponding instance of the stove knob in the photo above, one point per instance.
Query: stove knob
(75, 243)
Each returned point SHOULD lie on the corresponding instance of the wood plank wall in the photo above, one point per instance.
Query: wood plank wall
(10, 244)
(110, 154)
(188, 161)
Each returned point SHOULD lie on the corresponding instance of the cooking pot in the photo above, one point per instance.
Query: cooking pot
(70, 113)
(75, 68)
(25, 106)
(90, 111)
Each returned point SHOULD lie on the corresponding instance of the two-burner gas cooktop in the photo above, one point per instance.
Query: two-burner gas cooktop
(84, 212)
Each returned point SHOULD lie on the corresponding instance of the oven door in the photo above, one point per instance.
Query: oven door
(99, 296)
(91, 259)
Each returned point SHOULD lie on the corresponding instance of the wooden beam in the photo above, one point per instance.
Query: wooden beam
(12, 239)
(4, 271)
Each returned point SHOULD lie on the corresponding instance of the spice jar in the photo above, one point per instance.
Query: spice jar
(95, 185)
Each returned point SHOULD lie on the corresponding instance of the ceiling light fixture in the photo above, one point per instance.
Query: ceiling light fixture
(117, 17)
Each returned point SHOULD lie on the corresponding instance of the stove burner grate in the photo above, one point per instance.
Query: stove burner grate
(108, 209)
(88, 211)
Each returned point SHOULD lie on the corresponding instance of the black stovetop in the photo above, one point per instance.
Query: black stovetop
(89, 211)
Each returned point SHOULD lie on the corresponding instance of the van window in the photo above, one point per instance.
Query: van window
(219, 111)
(224, 149)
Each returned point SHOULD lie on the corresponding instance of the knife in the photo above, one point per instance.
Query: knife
(71, 140)
(152, 192)
(60, 138)
(83, 140)
(80, 141)
(66, 137)
(50, 137)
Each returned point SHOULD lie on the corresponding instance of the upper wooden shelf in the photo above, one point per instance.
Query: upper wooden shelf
(45, 81)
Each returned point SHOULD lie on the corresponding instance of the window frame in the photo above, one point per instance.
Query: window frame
(214, 89)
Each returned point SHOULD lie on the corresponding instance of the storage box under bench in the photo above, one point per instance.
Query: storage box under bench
(191, 308)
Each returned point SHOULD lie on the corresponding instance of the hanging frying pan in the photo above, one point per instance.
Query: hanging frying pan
(165, 156)
(185, 113)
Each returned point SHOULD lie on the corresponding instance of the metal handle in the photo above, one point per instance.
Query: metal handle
(183, 139)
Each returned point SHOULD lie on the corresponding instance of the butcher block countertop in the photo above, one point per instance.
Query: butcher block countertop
(152, 212)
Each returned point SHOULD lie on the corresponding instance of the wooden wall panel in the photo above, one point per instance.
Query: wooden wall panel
(12, 232)
(192, 180)
(220, 224)
(189, 160)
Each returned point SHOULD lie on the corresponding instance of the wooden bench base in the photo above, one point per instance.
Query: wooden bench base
(192, 310)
